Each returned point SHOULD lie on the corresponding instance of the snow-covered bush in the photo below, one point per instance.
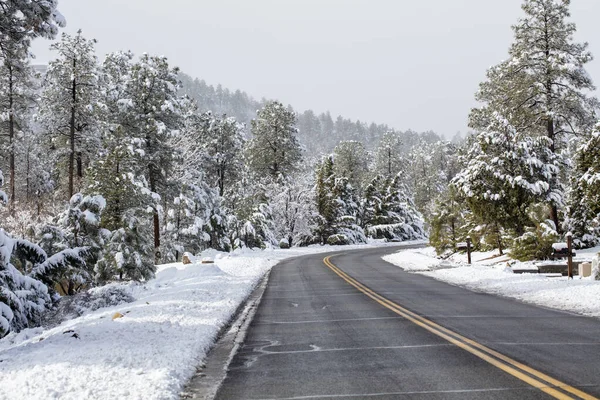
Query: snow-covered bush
(535, 243)
(75, 240)
(22, 298)
(74, 306)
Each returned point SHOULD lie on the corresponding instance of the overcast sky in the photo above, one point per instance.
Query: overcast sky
(410, 64)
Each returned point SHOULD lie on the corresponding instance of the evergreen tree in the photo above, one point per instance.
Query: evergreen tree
(389, 211)
(448, 222)
(584, 201)
(372, 203)
(291, 201)
(542, 89)
(16, 100)
(351, 162)
(221, 142)
(68, 108)
(345, 227)
(388, 159)
(23, 20)
(274, 149)
(151, 114)
(76, 238)
(128, 250)
(505, 173)
(325, 202)
(22, 297)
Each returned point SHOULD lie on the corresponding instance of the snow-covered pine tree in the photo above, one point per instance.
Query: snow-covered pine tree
(195, 218)
(16, 99)
(584, 199)
(352, 162)
(274, 147)
(78, 235)
(325, 202)
(128, 252)
(22, 298)
(429, 172)
(400, 215)
(388, 157)
(505, 173)
(372, 203)
(222, 141)
(447, 222)
(345, 227)
(292, 202)
(68, 108)
(153, 115)
(23, 20)
(389, 212)
(543, 88)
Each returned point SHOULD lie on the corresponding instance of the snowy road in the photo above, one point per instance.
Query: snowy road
(362, 328)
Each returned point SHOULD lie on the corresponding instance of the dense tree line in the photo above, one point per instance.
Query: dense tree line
(113, 165)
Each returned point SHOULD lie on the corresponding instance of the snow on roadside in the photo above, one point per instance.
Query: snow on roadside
(154, 349)
(580, 295)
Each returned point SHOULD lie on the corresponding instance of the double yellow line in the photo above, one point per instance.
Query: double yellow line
(533, 377)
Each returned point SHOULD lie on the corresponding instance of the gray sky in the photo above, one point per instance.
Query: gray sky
(410, 64)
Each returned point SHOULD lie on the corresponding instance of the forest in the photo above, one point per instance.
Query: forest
(112, 165)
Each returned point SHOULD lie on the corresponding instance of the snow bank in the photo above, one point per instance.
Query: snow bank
(493, 275)
(154, 348)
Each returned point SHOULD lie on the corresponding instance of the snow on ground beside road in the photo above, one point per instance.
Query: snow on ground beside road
(580, 295)
(154, 349)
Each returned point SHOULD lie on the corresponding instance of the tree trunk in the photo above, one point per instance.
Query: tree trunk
(553, 206)
(79, 165)
(389, 162)
(72, 136)
(11, 139)
(155, 218)
(221, 180)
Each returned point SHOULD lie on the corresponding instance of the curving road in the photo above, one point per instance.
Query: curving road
(356, 327)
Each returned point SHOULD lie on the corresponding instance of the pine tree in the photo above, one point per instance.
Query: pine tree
(389, 211)
(68, 108)
(22, 298)
(128, 250)
(447, 222)
(351, 162)
(23, 20)
(505, 173)
(77, 238)
(584, 201)
(153, 115)
(274, 148)
(542, 89)
(16, 100)
(325, 202)
(388, 159)
(372, 203)
(291, 201)
(222, 142)
(345, 227)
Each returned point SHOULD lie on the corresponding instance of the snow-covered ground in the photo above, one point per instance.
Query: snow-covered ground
(490, 273)
(153, 349)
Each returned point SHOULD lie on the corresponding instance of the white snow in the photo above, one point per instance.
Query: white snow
(154, 349)
(559, 246)
(494, 275)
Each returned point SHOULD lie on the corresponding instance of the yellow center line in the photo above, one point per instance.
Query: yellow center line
(545, 383)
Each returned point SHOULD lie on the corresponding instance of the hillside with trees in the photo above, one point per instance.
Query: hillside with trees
(114, 164)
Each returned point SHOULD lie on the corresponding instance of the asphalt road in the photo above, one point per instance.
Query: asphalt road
(321, 334)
